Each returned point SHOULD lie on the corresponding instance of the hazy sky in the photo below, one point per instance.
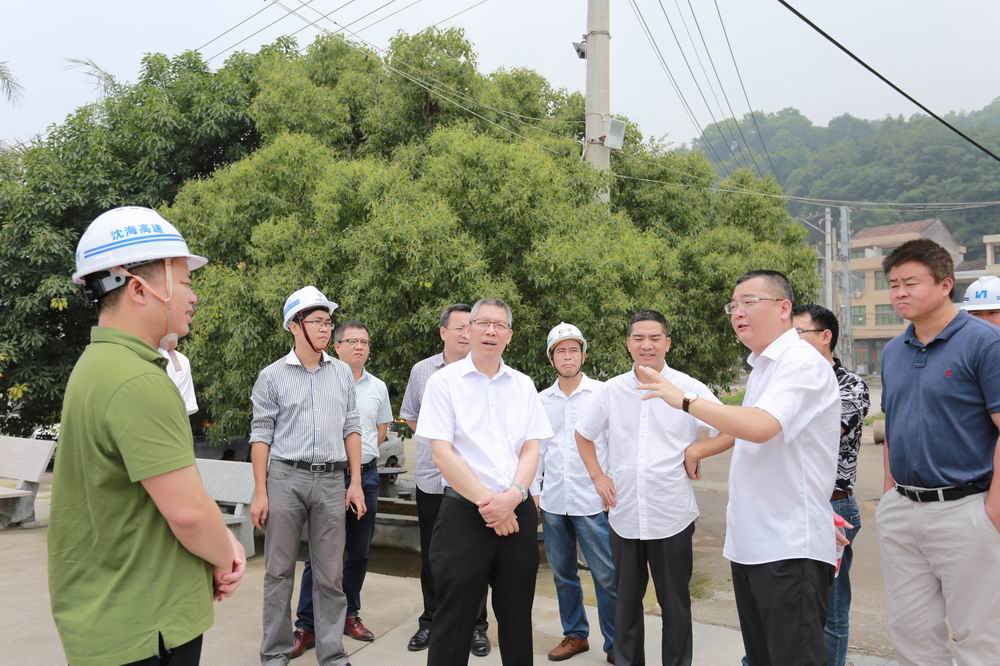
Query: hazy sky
(943, 53)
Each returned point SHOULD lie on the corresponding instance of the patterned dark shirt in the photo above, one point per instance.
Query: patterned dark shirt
(854, 405)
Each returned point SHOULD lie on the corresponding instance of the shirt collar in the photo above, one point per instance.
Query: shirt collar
(467, 367)
(119, 337)
(586, 385)
(292, 359)
(957, 322)
(777, 347)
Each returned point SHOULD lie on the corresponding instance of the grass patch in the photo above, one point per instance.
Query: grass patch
(872, 418)
(733, 398)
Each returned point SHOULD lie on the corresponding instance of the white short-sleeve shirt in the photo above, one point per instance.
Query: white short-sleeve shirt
(182, 379)
(779, 491)
(567, 489)
(646, 443)
(487, 419)
(373, 409)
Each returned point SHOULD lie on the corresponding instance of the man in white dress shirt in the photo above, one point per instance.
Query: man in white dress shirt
(484, 420)
(652, 505)
(571, 510)
(780, 537)
(180, 375)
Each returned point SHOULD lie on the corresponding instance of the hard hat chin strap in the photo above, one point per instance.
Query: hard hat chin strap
(168, 342)
(302, 324)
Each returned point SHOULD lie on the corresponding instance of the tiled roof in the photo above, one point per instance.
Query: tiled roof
(893, 229)
(972, 265)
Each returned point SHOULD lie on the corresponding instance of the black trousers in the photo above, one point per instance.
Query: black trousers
(465, 557)
(188, 654)
(669, 561)
(428, 505)
(782, 608)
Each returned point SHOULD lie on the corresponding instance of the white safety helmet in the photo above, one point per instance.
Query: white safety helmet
(305, 298)
(983, 294)
(129, 236)
(562, 332)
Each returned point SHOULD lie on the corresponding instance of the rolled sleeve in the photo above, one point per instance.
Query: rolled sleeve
(410, 409)
(265, 410)
(352, 417)
(437, 414)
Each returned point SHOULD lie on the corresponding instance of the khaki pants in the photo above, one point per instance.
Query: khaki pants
(941, 566)
(295, 498)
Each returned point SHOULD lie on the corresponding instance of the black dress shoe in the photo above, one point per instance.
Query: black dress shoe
(420, 640)
(480, 643)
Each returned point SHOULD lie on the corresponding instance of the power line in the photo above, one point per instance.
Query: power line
(719, 79)
(467, 9)
(226, 32)
(753, 116)
(888, 82)
(257, 32)
(673, 81)
(718, 126)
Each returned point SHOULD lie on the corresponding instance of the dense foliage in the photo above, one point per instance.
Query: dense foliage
(361, 173)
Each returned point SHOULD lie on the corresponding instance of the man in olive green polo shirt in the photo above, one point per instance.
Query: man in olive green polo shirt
(137, 548)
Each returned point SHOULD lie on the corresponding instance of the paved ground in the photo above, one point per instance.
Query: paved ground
(392, 595)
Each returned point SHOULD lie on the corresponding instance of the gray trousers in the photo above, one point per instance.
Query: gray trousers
(295, 498)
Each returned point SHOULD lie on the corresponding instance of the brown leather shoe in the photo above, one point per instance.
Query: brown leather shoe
(611, 658)
(569, 647)
(302, 640)
(355, 628)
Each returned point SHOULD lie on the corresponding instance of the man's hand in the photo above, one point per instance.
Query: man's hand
(225, 581)
(506, 527)
(356, 497)
(258, 509)
(498, 506)
(658, 386)
(842, 539)
(538, 506)
(993, 513)
(605, 487)
(692, 463)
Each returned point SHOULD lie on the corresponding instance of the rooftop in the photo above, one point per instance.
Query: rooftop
(919, 226)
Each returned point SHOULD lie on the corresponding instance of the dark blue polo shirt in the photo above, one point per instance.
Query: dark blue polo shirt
(938, 399)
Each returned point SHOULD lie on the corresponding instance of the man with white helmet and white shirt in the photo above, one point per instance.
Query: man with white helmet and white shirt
(982, 299)
(305, 434)
(570, 508)
(132, 571)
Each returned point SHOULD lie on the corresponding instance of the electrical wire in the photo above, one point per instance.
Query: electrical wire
(888, 82)
(257, 32)
(226, 32)
(739, 76)
(715, 71)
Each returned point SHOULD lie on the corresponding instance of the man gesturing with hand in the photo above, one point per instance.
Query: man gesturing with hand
(484, 420)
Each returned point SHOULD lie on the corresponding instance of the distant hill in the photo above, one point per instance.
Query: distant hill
(898, 159)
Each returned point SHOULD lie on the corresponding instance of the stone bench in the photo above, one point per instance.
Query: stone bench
(24, 461)
(386, 476)
(231, 485)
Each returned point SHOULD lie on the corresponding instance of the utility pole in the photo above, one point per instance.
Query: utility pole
(828, 262)
(846, 325)
(598, 99)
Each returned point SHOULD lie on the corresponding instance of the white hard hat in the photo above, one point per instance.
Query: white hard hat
(562, 332)
(128, 236)
(305, 298)
(983, 294)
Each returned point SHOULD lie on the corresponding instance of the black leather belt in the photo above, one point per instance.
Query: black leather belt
(315, 467)
(938, 494)
(454, 494)
(366, 467)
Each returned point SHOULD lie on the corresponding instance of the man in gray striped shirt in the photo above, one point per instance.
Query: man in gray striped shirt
(454, 334)
(306, 424)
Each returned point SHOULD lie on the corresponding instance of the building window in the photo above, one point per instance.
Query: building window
(886, 316)
(857, 253)
(880, 281)
(858, 315)
(857, 281)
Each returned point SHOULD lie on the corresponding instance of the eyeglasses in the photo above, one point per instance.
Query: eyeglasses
(800, 331)
(482, 325)
(746, 302)
(354, 342)
(319, 323)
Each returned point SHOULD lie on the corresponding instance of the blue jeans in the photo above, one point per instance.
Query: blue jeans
(839, 603)
(561, 536)
(358, 540)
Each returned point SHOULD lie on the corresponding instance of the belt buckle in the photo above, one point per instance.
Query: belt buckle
(317, 467)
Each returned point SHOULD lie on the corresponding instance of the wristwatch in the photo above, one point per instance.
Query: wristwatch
(689, 397)
(521, 489)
